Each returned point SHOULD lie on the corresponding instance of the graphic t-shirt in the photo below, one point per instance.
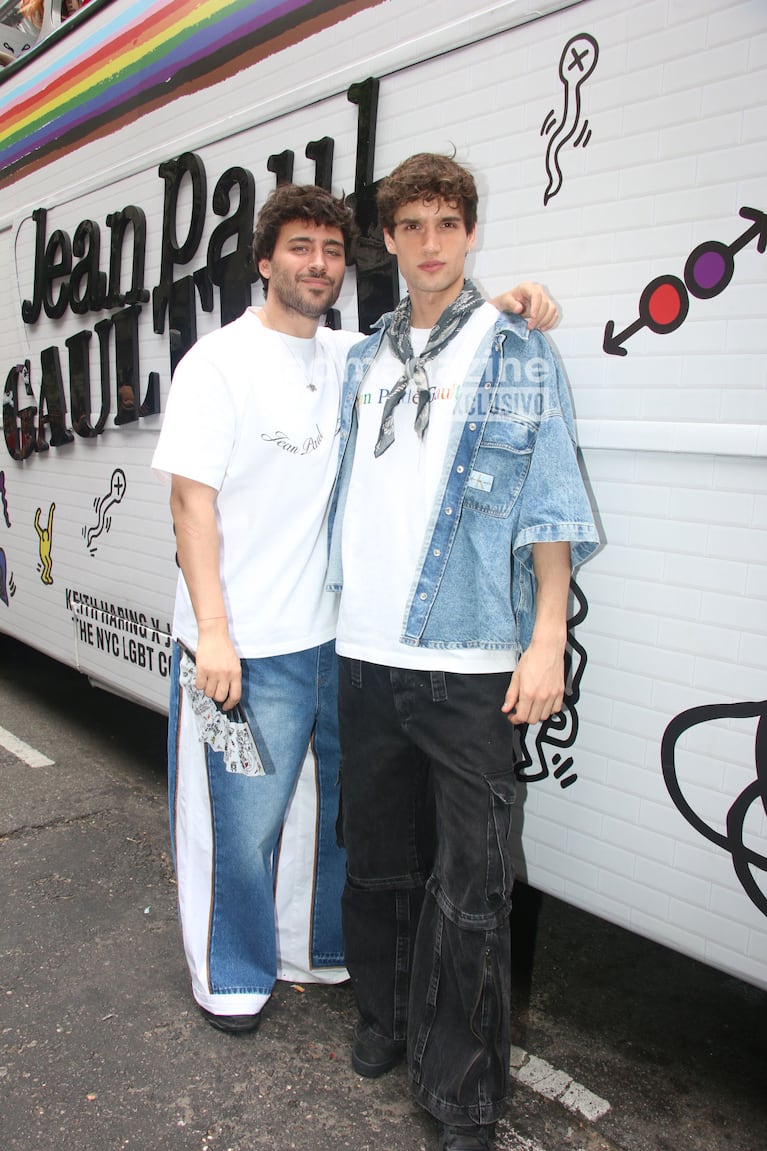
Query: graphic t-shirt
(389, 504)
(241, 419)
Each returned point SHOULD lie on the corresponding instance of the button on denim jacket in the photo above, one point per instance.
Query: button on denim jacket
(510, 479)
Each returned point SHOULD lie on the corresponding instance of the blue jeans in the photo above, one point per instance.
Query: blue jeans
(427, 785)
(226, 829)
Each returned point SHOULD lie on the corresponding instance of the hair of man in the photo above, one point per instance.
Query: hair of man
(427, 177)
(306, 202)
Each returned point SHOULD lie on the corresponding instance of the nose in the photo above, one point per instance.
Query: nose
(431, 239)
(318, 261)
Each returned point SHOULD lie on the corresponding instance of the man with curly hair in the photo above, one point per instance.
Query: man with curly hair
(460, 514)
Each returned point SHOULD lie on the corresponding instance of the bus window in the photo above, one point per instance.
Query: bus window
(24, 23)
(18, 32)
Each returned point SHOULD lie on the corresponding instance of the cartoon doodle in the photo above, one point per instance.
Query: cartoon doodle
(560, 730)
(7, 584)
(577, 62)
(664, 303)
(4, 500)
(102, 505)
(744, 858)
(46, 540)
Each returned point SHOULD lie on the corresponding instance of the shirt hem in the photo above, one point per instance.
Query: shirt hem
(477, 661)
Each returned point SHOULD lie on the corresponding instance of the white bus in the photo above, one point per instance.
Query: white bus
(620, 154)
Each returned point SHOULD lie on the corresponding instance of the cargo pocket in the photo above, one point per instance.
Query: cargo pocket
(500, 877)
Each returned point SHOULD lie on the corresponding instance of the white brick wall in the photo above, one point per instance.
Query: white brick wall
(677, 612)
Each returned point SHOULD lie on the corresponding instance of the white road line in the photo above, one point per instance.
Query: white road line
(23, 751)
(540, 1076)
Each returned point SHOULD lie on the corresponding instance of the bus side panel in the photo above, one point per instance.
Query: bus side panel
(641, 205)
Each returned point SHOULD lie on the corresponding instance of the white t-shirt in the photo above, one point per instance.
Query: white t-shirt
(389, 503)
(241, 419)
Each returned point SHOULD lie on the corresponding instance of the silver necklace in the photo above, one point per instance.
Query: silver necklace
(301, 361)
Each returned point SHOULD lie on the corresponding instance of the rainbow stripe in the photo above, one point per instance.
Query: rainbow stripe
(141, 57)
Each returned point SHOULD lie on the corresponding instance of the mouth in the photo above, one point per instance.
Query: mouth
(316, 282)
(431, 266)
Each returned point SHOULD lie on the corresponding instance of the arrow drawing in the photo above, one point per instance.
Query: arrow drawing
(664, 303)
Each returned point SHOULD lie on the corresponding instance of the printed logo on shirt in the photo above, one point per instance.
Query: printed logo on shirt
(282, 440)
(380, 395)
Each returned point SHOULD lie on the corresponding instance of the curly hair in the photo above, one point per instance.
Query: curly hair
(304, 202)
(427, 177)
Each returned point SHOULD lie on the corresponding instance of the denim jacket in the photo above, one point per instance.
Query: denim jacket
(510, 479)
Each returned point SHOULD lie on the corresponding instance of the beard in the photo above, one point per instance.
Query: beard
(309, 302)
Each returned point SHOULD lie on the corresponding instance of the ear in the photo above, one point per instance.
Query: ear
(471, 239)
(265, 267)
(391, 247)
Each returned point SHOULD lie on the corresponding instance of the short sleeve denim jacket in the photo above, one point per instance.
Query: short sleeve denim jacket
(510, 479)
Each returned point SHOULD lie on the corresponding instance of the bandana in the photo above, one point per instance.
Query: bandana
(448, 325)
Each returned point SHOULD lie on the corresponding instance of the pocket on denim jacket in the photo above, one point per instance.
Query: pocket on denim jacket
(500, 465)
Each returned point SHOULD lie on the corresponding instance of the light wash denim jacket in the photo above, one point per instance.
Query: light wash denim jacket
(510, 479)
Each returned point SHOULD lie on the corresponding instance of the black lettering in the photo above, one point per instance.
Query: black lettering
(137, 653)
(150, 405)
(321, 151)
(58, 265)
(107, 641)
(120, 222)
(233, 273)
(125, 327)
(52, 404)
(174, 172)
(127, 369)
(377, 280)
(80, 388)
(85, 631)
(30, 309)
(182, 315)
(19, 422)
(103, 330)
(87, 284)
(281, 163)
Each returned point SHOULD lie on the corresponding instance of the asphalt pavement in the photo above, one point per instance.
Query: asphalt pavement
(621, 1045)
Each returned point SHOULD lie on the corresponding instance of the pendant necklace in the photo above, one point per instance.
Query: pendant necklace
(306, 365)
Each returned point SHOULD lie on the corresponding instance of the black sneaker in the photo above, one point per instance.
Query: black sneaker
(231, 1024)
(475, 1138)
(372, 1055)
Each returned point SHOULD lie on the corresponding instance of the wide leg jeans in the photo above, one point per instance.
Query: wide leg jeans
(226, 831)
(427, 786)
